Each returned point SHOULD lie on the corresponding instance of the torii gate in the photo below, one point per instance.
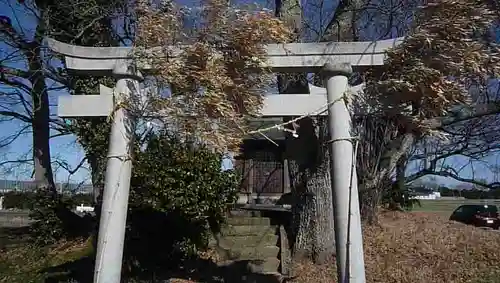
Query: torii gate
(334, 59)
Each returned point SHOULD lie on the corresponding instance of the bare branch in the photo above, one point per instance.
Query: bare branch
(493, 185)
(16, 115)
(66, 166)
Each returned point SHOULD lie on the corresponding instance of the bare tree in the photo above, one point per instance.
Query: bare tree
(432, 54)
(387, 135)
(472, 135)
(31, 77)
(28, 95)
(310, 177)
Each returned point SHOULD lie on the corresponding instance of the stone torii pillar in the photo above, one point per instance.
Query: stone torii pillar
(119, 165)
(117, 180)
(348, 235)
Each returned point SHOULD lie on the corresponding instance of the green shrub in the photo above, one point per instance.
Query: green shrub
(178, 194)
(398, 197)
(77, 199)
(55, 220)
(52, 213)
(48, 228)
(25, 200)
(18, 200)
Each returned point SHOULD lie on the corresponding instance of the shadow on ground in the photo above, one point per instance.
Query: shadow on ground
(11, 236)
(199, 270)
(80, 270)
(155, 252)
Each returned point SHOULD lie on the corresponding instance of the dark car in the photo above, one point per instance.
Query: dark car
(480, 215)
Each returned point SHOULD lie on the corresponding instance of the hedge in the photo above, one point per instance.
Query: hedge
(24, 200)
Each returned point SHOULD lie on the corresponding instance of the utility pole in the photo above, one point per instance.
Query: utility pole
(348, 235)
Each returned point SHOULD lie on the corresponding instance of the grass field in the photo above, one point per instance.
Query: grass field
(447, 206)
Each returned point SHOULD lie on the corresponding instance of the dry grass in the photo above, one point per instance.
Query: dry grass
(29, 263)
(420, 248)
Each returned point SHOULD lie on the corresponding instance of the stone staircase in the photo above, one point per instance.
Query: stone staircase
(251, 242)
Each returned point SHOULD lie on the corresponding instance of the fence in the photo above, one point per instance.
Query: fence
(26, 186)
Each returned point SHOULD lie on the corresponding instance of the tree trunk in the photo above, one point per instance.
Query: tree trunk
(312, 208)
(44, 178)
(309, 167)
(382, 147)
(399, 196)
(342, 26)
(98, 170)
(369, 200)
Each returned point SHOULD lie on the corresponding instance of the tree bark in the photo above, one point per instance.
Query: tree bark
(309, 168)
(44, 178)
(374, 182)
(342, 26)
(395, 197)
(312, 208)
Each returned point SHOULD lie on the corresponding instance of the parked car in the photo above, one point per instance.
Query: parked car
(478, 215)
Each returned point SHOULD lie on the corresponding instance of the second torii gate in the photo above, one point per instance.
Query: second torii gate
(335, 60)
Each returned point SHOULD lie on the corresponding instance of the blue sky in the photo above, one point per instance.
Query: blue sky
(66, 148)
(63, 149)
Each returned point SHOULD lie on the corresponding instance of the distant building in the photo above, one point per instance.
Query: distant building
(423, 192)
(431, 195)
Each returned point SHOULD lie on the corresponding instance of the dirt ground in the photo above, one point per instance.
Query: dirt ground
(420, 247)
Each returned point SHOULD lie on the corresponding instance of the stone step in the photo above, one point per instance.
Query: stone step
(252, 253)
(247, 230)
(244, 213)
(245, 220)
(229, 242)
(247, 241)
(251, 213)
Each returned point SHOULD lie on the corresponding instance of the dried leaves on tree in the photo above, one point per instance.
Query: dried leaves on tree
(214, 69)
(428, 74)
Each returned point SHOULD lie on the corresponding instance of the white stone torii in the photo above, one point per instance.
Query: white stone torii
(334, 60)
(94, 105)
(274, 105)
(291, 57)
